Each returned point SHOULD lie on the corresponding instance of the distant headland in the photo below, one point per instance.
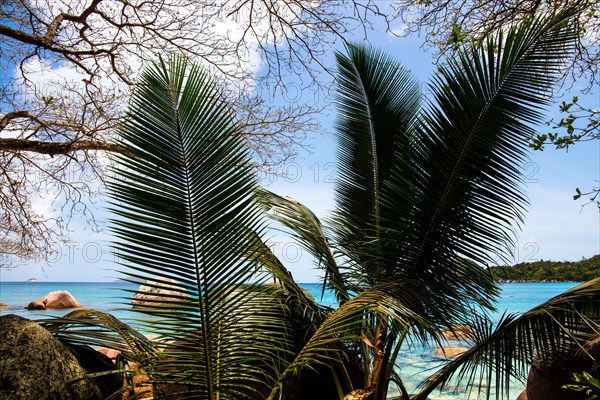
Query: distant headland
(549, 271)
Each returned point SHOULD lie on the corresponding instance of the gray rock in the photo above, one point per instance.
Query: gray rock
(34, 365)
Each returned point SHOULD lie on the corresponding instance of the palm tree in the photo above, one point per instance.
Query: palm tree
(428, 190)
(426, 193)
(186, 213)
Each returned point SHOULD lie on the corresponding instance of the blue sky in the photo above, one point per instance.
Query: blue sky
(556, 227)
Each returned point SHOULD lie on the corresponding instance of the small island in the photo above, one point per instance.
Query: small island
(549, 271)
(32, 280)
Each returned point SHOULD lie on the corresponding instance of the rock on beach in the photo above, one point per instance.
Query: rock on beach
(458, 332)
(57, 299)
(110, 353)
(37, 366)
(546, 379)
(450, 351)
(155, 293)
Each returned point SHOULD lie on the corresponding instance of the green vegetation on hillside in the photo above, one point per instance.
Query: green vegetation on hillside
(576, 271)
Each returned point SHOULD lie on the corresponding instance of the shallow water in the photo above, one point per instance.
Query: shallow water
(413, 363)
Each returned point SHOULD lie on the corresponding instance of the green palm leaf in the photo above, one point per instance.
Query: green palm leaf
(377, 101)
(431, 197)
(404, 307)
(306, 228)
(551, 330)
(185, 209)
(456, 206)
(96, 328)
(283, 277)
(328, 346)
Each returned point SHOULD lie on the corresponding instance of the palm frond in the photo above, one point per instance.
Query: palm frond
(457, 205)
(377, 101)
(96, 328)
(283, 278)
(406, 306)
(306, 228)
(506, 350)
(184, 206)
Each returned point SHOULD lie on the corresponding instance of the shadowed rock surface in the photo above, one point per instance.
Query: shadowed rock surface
(523, 395)
(545, 379)
(37, 366)
(95, 362)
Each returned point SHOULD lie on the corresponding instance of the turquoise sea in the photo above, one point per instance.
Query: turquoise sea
(414, 362)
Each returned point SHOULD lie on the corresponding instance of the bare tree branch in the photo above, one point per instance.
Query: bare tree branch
(445, 23)
(68, 66)
(55, 148)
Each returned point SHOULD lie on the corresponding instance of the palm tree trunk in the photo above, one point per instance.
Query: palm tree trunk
(379, 364)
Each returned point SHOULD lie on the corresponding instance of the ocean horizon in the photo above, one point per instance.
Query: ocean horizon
(415, 363)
